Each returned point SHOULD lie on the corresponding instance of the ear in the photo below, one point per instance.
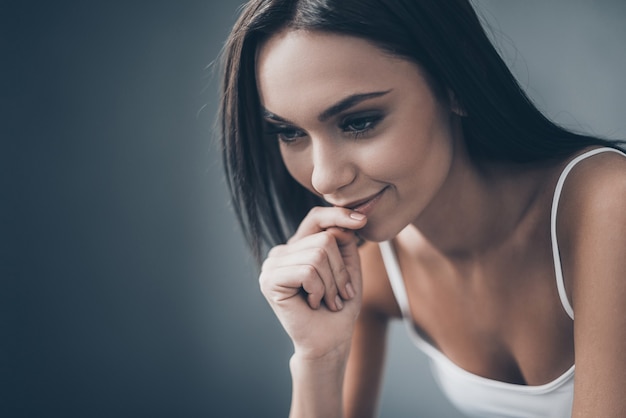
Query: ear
(455, 106)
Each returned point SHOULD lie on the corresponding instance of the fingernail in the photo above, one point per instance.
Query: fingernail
(357, 216)
(338, 302)
(350, 290)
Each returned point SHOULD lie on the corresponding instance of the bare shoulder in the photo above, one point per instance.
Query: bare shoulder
(591, 222)
(608, 165)
(377, 293)
(591, 230)
(594, 194)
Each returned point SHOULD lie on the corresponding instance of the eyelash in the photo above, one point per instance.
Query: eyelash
(279, 132)
(369, 120)
(347, 126)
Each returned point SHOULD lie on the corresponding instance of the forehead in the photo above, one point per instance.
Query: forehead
(297, 69)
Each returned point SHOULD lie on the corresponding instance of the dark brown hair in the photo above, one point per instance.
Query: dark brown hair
(444, 37)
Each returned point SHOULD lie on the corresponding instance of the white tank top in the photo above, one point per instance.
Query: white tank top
(480, 397)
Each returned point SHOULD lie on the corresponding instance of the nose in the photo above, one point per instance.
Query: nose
(333, 168)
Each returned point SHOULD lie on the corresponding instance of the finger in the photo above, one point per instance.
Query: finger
(333, 278)
(321, 218)
(347, 243)
(341, 237)
(284, 283)
(345, 261)
(277, 250)
(322, 251)
(340, 275)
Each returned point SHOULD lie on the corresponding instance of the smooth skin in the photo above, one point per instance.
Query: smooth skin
(355, 123)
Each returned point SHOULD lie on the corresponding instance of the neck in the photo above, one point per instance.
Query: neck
(479, 207)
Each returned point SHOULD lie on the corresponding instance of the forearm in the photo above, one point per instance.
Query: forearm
(317, 386)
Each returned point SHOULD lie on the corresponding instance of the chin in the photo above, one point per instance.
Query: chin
(371, 233)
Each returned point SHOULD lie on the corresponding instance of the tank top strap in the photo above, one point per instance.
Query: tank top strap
(555, 203)
(395, 277)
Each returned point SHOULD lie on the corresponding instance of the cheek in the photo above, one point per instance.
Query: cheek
(418, 153)
(399, 155)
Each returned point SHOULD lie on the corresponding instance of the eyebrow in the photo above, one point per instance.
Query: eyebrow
(347, 103)
(341, 106)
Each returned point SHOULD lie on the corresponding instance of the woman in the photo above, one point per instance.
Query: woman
(386, 153)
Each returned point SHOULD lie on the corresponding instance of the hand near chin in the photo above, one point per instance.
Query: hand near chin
(313, 282)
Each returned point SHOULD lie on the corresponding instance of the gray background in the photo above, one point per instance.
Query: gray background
(126, 290)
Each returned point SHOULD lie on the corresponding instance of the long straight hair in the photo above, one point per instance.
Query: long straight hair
(445, 38)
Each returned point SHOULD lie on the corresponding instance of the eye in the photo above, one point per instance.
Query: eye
(359, 125)
(289, 135)
(284, 133)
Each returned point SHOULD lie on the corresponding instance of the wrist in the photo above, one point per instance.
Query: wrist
(331, 358)
(328, 365)
(317, 384)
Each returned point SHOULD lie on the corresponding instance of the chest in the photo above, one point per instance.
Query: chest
(501, 318)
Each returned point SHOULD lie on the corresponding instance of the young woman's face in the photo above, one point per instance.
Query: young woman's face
(356, 126)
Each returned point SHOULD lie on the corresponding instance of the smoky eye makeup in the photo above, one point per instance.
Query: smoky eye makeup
(277, 128)
(282, 132)
(360, 123)
(353, 124)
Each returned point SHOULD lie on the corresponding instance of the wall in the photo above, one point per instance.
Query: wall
(126, 288)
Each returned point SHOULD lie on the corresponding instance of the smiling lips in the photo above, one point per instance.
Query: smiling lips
(365, 206)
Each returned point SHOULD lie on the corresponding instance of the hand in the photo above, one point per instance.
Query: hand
(313, 282)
